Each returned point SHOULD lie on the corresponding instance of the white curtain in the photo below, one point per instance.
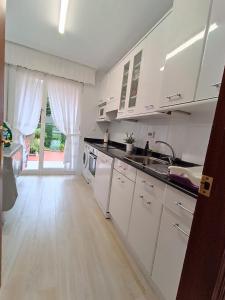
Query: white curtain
(65, 108)
(28, 99)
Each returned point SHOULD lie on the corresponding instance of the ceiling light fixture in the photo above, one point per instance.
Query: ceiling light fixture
(62, 16)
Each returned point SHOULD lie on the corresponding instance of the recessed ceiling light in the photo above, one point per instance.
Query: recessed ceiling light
(62, 16)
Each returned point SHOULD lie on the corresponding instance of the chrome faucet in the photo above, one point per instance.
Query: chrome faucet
(171, 158)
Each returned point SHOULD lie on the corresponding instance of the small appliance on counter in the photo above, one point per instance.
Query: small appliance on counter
(189, 177)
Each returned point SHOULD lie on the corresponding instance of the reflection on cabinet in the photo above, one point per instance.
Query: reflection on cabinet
(172, 242)
(145, 218)
(184, 51)
(214, 55)
(121, 201)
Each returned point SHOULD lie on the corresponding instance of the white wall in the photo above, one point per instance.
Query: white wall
(89, 127)
(188, 135)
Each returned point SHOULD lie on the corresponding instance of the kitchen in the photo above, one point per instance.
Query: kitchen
(144, 128)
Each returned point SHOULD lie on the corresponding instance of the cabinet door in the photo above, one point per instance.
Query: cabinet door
(150, 84)
(145, 219)
(184, 52)
(121, 201)
(115, 79)
(135, 78)
(214, 55)
(170, 254)
(125, 86)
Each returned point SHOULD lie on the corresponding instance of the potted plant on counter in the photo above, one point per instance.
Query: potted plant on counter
(129, 140)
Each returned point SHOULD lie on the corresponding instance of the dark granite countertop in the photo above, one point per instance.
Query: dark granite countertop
(117, 150)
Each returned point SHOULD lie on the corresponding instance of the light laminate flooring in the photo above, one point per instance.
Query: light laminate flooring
(58, 246)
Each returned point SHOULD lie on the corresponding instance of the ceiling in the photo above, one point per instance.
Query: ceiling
(98, 32)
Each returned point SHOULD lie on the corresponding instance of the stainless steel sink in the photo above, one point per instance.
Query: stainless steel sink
(157, 165)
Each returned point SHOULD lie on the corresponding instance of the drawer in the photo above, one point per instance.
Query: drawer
(180, 204)
(125, 169)
(149, 188)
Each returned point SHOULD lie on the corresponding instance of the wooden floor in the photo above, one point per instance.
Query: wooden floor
(58, 246)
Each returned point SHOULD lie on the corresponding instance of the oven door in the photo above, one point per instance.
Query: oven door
(92, 163)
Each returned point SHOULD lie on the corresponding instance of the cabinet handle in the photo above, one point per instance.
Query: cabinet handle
(141, 196)
(217, 85)
(122, 181)
(118, 178)
(149, 106)
(177, 226)
(149, 202)
(179, 204)
(174, 97)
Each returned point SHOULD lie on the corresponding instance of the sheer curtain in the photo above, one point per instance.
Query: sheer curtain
(28, 100)
(64, 98)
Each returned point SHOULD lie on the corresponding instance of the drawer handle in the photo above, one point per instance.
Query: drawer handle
(217, 85)
(122, 181)
(147, 202)
(149, 106)
(148, 184)
(174, 97)
(177, 226)
(118, 178)
(179, 204)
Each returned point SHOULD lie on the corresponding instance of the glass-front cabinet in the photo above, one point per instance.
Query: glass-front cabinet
(124, 86)
(135, 79)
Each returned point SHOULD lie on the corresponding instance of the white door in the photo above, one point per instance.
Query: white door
(170, 254)
(121, 201)
(184, 51)
(214, 55)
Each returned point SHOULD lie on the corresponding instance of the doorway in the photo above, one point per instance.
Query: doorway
(45, 148)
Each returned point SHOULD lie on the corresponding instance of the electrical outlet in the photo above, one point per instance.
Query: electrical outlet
(151, 134)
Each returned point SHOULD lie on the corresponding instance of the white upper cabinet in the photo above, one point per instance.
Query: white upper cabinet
(124, 86)
(114, 88)
(103, 89)
(214, 55)
(184, 51)
(151, 76)
(136, 74)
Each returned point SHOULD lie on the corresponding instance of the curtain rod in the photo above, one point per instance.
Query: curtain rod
(45, 73)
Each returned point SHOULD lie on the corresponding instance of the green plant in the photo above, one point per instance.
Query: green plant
(37, 133)
(61, 147)
(48, 135)
(35, 146)
(129, 138)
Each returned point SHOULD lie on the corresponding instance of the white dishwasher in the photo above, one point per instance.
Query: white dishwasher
(102, 184)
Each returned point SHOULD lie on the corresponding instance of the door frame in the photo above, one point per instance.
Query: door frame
(2, 67)
(203, 275)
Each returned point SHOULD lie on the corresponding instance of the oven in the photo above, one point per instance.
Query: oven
(92, 163)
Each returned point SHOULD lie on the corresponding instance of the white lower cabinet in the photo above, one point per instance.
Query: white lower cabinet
(121, 201)
(172, 242)
(145, 218)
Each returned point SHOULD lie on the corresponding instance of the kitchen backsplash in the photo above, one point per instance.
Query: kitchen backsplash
(188, 134)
